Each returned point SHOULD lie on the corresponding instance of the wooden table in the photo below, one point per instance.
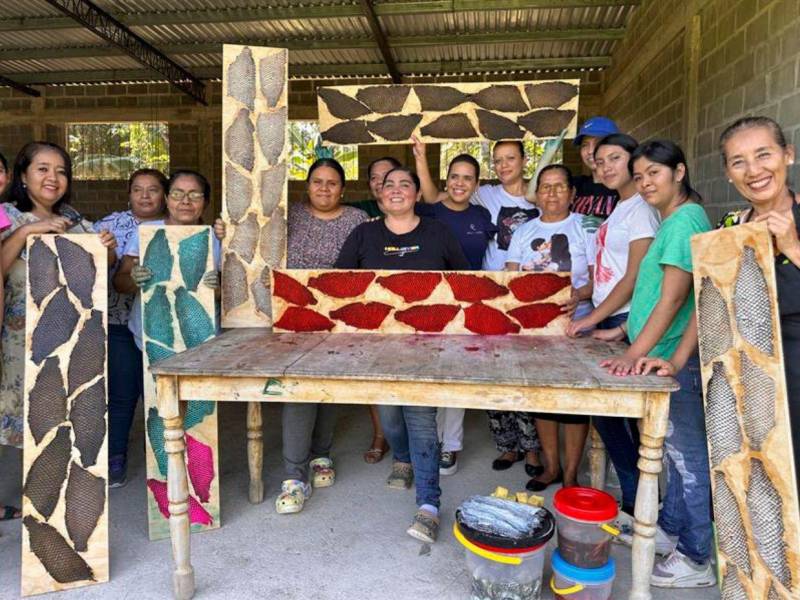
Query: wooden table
(519, 373)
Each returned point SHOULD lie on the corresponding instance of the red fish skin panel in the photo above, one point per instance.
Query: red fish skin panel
(292, 290)
(474, 288)
(534, 316)
(411, 287)
(429, 318)
(362, 315)
(342, 285)
(537, 286)
(295, 318)
(485, 320)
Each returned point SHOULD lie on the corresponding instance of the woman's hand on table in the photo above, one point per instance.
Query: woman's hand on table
(575, 328)
(609, 335)
(141, 275)
(622, 366)
(782, 226)
(569, 305)
(219, 229)
(662, 368)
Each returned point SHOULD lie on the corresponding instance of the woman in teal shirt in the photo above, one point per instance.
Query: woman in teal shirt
(661, 310)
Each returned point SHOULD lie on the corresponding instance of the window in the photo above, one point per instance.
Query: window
(482, 153)
(114, 150)
(307, 147)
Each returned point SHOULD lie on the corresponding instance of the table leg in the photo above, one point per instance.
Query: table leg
(653, 429)
(255, 452)
(597, 461)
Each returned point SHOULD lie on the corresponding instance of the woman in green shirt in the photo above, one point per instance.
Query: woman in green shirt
(661, 310)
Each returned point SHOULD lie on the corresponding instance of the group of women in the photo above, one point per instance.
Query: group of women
(623, 233)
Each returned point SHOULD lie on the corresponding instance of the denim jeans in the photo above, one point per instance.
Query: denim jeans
(686, 511)
(124, 386)
(621, 438)
(411, 433)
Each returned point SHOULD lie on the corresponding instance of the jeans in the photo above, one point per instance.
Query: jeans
(125, 386)
(307, 434)
(686, 511)
(450, 423)
(621, 438)
(411, 433)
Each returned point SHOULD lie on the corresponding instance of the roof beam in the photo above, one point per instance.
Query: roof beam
(380, 39)
(5, 81)
(322, 11)
(107, 27)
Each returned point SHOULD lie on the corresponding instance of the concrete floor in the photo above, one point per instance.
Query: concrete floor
(348, 543)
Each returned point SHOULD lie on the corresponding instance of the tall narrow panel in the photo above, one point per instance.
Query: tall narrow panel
(65, 461)
(255, 141)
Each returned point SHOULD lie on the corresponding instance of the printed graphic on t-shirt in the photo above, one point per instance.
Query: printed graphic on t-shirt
(552, 255)
(400, 250)
(509, 218)
(597, 206)
(602, 273)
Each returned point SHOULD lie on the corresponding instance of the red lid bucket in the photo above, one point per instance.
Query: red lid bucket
(585, 504)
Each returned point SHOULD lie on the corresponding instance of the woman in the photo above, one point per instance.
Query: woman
(36, 203)
(557, 241)
(317, 229)
(146, 191)
(661, 309)
(411, 430)
(621, 242)
(4, 178)
(473, 228)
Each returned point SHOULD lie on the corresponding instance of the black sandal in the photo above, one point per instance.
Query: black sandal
(535, 485)
(501, 464)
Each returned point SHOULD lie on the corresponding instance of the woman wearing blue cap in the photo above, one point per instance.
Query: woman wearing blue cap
(593, 200)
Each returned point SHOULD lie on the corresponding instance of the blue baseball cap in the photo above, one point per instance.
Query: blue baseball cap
(597, 127)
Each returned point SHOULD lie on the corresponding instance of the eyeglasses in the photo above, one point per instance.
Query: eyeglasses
(179, 195)
(558, 188)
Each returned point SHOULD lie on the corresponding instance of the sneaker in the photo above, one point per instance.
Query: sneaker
(293, 496)
(322, 473)
(401, 477)
(117, 471)
(679, 571)
(447, 463)
(665, 543)
(425, 527)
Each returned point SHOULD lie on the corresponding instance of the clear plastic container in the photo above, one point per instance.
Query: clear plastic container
(583, 519)
(573, 583)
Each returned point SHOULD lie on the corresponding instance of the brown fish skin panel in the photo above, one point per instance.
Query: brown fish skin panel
(449, 127)
(238, 192)
(549, 94)
(79, 269)
(88, 357)
(88, 417)
(495, 127)
(272, 76)
(715, 333)
(271, 134)
(439, 97)
(234, 283)
(384, 99)
(85, 503)
(751, 303)
(272, 244)
(245, 237)
(43, 264)
(348, 132)
(260, 289)
(46, 476)
(502, 98)
(239, 140)
(56, 325)
(766, 517)
(546, 122)
(242, 78)
(731, 535)
(758, 400)
(60, 561)
(47, 400)
(273, 187)
(395, 128)
(732, 588)
(722, 424)
(340, 105)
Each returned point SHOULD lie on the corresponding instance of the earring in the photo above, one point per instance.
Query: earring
(730, 180)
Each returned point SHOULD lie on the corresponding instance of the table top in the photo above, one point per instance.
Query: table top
(546, 361)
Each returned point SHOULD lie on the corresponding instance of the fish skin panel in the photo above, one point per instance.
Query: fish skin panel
(340, 105)
(384, 99)
(238, 192)
(55, 327)
(453, 126)
(439, 97)
(200, 466)
(60, 561)
(192, 258)
(234, 283)
(157, 317)
(156, 352)
(496, 127)
(48, 471)
(272, 242)
(502, 98)
(158, 258)
(751, 303)
(88, 417)
(239, 144)
(766, 517)
(731, 535)
(79, 269)
(758, 400)
(85, 504)
(43, 265)
(197, 514)
(732, 588)
(260, 292)
(550, 93)
(273, 187)
(242, 78)
(395, 127)
(88, 357)
(195, 324)
(197, 411)
(715, 333)
(722, 424)
(271, 134)
(272, 76)
(47, 400)
(155, 435)
(547, 122)
(245, 238)
(348, 132)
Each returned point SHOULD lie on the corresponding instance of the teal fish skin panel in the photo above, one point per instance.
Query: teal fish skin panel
(158, 258)
(196, 411)
(192, 257)
(156, 352)
(157, 317)
(195, 324)
(155, 433)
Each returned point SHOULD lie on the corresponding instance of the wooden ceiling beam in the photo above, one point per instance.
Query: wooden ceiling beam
(380, 40)
(20, 87)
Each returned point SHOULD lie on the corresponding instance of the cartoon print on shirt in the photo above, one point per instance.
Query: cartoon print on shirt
(509, 218)
(602, 274)
(550, 256)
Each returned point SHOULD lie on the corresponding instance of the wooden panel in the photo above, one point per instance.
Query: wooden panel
(391, 114)
(178, 312)
(747, 415)
(483, 303)
(255, 149)
(65, 460)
